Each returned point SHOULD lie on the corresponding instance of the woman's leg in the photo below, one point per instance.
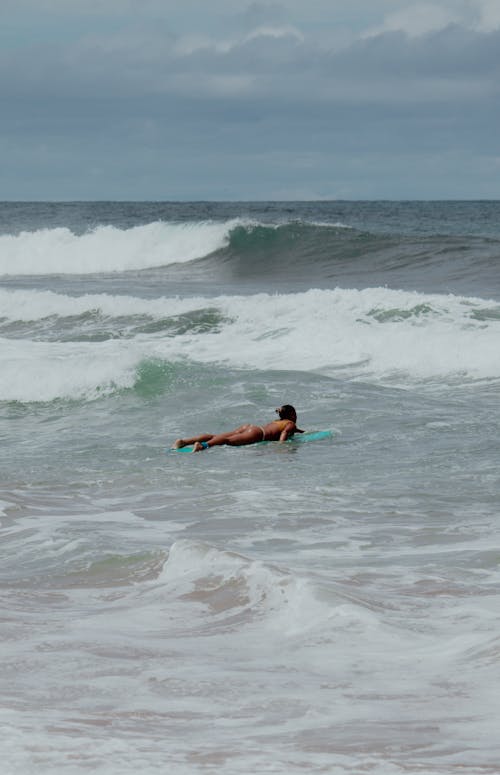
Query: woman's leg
(186, 442)
(248, 434)
(208, 436)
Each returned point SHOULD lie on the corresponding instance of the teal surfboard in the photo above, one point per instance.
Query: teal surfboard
(299, 438)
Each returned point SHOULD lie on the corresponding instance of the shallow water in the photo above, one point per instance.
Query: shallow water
(326, 607)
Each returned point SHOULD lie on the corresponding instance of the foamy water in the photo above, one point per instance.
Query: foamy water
(108, 249)
(322, 607)
(375, 333)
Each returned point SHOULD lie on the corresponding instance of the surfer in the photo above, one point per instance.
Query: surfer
(276, 430)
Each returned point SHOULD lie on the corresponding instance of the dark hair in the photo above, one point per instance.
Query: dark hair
(287, 412)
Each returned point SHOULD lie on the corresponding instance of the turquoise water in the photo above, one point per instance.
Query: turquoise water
(330, 606)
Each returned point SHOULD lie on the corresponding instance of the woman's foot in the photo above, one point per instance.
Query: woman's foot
(179, 443)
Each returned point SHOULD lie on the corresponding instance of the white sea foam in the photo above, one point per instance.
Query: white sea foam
(230, 581)
(18, 305)
(374, 334)
(423, 337)
(109, 249)
(41, 371)
(4, 505)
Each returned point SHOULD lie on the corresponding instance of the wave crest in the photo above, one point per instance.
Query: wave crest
(109, 249)
(230, 586)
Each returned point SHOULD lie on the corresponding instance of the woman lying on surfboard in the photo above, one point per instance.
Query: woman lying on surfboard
(277, 430)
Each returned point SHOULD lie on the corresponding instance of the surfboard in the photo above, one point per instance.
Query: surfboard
(299, 438)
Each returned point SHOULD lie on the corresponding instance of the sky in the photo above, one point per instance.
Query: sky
(234, 100)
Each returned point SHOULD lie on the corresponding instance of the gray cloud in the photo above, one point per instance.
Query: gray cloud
(266, 103)
(274, 60)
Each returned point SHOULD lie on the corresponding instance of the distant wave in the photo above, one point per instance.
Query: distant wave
(305, 253)
(110, 249)
(323, 254)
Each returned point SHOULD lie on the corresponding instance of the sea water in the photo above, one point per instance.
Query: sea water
(331, 607)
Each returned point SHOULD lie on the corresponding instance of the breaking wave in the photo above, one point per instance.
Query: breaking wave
(56, 346)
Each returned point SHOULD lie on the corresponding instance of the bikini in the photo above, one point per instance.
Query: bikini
(281, 426)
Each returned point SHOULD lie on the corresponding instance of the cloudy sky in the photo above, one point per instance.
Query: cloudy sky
(228, 99)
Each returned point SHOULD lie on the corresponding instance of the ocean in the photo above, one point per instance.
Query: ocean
(330, 607)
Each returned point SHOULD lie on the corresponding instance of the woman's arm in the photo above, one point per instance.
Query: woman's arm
(287, 431)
